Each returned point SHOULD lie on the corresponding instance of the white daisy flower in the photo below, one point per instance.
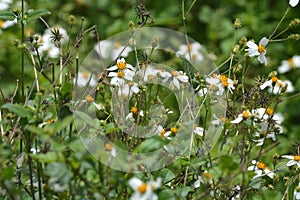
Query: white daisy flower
(293, 3)
(218, 120)
(128, 89)
(134, 113)
(259, 50)
(4, 4)
(121, 65)
(84, 78)
(242, 116)
(199, 131)
(204, 178)
(275, 85)
(191, 52)
(220, 82)
(297, 192)
(111, 49)
(287, 65)
(294, 160)
(260, 169)
(147, 73)
(142, 190)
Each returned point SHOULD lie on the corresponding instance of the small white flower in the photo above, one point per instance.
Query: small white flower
(148, 73)
(275, 85)
(84, 78)
(218, 120)
(204, 178)
(294, 160)
(221, 82)
(34, 150)
(110, 150)
(142, 190)
(293, 3)
(287, 65)
(244, 115)
(259, 50)
(112, 50)
(128, 89)
(199, 131)
(260, 169)
(134, 113)
(121, 65)
(4, 4)
(297, 192)
(202, 92)
(191, 52)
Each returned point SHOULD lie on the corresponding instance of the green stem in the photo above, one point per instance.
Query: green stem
(281, 20)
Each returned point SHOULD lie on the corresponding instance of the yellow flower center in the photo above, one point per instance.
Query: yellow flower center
(174, 73)
(214, 75)
(118, 45)
(130, 83)
(246, 114)
(291, 62)
(134, 110)
(162, 133)
(120, 74)
(261, 49)
(142, 188)
(274, 79)
(121, 65)
(261, 165)
(269, 111)
(50, 121)
(108, 147)
(1, 23)
(88, 98)
(224, 80)
(174, 130)
(296, 158)
(207, 175)
(85, 75)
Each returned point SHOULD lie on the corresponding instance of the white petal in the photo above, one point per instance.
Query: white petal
(264, 41)
(176, 83)
(238, 119)
(262, 59)
(266, 84)
(284, 67)
(294, 3)
(183, 78)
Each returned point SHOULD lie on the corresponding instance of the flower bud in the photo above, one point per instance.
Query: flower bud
(294, 23)
(237, 23)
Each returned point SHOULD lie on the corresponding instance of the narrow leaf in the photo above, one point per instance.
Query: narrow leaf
(17, 109)
(34, 14)
(7, 15)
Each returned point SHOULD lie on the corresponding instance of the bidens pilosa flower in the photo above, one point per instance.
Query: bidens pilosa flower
(142, 190)
(258, 50)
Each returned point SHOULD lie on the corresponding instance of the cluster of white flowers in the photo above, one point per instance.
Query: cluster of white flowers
(261, 118)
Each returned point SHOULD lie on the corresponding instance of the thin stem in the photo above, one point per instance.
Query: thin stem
(281, 20)
(35, 74)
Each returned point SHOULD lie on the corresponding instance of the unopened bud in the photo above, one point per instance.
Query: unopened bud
(154, 42)
(237, 23)
(71, 19)
(294, 37)
(294, 23)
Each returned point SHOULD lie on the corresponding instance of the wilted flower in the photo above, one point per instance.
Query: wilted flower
(259, 50)
(147, 73)
(142, 190)
(50, 38)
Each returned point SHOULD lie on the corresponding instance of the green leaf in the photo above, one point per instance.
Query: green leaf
(167, 175)
(83, 117)
(34, 14)
(7, 15)
(18, 109)
(149, 145)
(185, 190)
(166, 194)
